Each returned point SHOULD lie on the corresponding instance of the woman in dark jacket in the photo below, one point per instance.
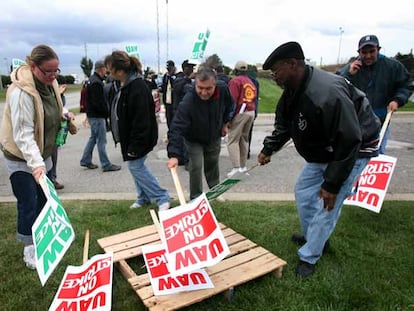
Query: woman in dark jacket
(134, 126)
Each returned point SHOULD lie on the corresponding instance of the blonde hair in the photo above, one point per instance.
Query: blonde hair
(40, 54)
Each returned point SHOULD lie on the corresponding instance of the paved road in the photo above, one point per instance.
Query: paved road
(274, 181)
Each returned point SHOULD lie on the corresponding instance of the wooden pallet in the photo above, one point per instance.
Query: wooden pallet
(245, 262)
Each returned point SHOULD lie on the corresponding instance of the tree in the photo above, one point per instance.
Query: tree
(87, 66)
(214, 61)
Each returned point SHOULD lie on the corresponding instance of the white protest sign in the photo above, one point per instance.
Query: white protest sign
(52, 232)
(17, 63)
(192, 237)
(373, 183)
(88, 287)
(163, 283)
(132, 50)
(199, 48)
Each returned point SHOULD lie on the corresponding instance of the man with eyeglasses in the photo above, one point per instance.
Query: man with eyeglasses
(334, 129)
(385, 81)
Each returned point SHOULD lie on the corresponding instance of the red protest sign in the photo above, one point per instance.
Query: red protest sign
(192, 236)
(373, 183)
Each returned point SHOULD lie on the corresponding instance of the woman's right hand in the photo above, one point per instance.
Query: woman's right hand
(37, 172)
(172, 162)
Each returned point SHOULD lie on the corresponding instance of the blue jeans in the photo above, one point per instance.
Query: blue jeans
(98, 137)
(30, 201)
(316, 222)
(147, 186)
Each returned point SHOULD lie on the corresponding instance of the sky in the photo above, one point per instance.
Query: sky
(328, 31)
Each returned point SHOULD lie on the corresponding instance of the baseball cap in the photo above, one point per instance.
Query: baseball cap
(186, 64)
(241, 66)
(170, 63)
(99, 64)
(368, 40)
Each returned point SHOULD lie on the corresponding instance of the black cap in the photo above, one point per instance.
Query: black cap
(368, 40)
(186, 64)
(99, 64)
(170, 63)
(286, 50)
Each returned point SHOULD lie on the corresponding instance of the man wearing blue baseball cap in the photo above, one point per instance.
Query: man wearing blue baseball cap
(385, 81)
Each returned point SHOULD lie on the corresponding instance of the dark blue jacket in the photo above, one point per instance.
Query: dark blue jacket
(200, 121)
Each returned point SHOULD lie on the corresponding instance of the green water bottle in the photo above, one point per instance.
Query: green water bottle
(62, 134)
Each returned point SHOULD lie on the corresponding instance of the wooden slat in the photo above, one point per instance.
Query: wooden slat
(245, 262)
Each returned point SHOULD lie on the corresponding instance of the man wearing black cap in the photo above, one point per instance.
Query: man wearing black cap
(384, 80)
(166, 90)
(334, 129)
(97, 113)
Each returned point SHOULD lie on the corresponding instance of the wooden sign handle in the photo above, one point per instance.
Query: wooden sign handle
(178, 187)
(86, 247)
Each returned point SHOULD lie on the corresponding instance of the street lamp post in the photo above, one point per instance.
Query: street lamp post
(341, 31)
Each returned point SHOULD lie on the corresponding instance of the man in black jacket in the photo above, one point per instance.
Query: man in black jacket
(334, 129)
(202, 118)
(97, 113)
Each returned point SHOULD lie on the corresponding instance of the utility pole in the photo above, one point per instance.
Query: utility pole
(158, 40)
(166, 2)
(341, 31)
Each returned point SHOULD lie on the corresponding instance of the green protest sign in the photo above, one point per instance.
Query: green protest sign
(222, 187)
(199, 47)
(132, 50)
(52, 233)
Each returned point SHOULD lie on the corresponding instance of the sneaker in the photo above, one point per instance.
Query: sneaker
(304, 269)
(300, 240)
(91, 166)
(164, 206)
(135, 205)
(112, 168)
(29, 257)
(233, 171)
(242, 169)
(58, 186)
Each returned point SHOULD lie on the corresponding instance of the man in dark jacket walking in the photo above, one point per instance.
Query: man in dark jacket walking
(334, 129)
(202, 118)
(97, 113)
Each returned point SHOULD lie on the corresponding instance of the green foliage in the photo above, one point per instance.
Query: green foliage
(65, 79)
(87, 66)
(368, 267)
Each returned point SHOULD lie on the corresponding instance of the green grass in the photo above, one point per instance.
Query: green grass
(369, 266)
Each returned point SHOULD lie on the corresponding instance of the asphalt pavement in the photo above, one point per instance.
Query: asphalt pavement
(274, 181)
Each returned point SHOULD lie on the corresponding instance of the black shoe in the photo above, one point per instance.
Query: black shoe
(300, 240)
(112, 168)
(91, 166)
(58, 186)
(304, 269)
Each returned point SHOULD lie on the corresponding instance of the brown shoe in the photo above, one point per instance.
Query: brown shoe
(58, 186)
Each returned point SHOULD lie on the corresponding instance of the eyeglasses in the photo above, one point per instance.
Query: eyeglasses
(276, 68)
(49, 73)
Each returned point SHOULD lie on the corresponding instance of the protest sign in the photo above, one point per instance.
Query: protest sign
(162, 282)
(86, 288)
(192, 237)
(52, 232)
(372, 184)
(199, 48)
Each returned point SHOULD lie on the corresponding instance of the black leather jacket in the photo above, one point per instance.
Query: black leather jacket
(330, 121)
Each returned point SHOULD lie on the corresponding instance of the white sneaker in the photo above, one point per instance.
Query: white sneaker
(164, 206)
(242, 169)
(233, 171)
(29, 257)
(135, 205)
